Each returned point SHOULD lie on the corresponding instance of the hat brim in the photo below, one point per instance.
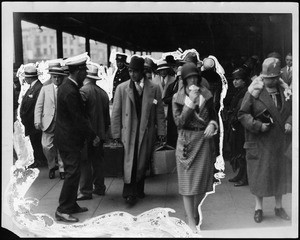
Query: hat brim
(268, 76)
(162, 68)
(191, 74)
(28, 76)
(54, 73)
(93, 77)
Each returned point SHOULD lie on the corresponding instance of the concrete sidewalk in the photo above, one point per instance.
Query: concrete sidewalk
(227, 212)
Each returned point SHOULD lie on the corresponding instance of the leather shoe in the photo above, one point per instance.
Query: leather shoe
(280, 212)
(81, 197)
(258, 215)
(241, 183)
(65, 217)
(130, 200)
(80, 210)
(100, 192)
(62, 175)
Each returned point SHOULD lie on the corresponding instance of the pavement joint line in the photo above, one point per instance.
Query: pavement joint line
(50, 189)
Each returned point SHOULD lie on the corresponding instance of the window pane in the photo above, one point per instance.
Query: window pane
(98, 52)
(35, 45)
(73, 45)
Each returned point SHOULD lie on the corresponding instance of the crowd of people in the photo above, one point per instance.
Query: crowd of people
(175, 100)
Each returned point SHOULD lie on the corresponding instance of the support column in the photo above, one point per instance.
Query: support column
(108, 54)
(59, 43)
(18, 43)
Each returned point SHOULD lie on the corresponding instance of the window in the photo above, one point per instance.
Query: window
(51, 39)
(65, 40)
(45, 39)
(72, 51)
(45, 51)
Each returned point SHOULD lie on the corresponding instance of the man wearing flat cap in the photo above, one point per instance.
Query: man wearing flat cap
(27, 114)
(72, 128)
(96, 106)
(137, 115)
(122, 74)
(45, 117)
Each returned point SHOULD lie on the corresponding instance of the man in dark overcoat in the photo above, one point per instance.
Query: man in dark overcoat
(27, 114)
(72, 128)
(122, 74)
(96, 105)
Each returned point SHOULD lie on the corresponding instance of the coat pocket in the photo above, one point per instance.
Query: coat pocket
(251, 150)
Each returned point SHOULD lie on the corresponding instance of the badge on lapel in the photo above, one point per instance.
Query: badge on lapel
(30, 95)
(155, 101)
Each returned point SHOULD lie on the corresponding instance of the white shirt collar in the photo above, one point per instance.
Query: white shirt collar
(73, 81)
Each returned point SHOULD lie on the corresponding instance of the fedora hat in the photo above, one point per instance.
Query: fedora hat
(136, 63)
(150, 64)
(57, 71)
(162, 64)
(30, 71)
(92, 72)
(271, 68)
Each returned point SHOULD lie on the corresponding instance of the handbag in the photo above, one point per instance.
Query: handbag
(265, 117)
(163, 159)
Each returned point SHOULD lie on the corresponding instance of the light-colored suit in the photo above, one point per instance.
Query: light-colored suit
(287, 75)
(45, 116)
(168, 79)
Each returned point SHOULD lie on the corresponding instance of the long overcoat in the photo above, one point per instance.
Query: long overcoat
(269, 171)
(124, 123)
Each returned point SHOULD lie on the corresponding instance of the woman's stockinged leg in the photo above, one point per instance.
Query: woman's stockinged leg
(188, 202)
(197, 200)
(258, 202)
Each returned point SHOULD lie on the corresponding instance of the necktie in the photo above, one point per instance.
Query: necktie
(273, 95)
(139, 88)
(163, 82)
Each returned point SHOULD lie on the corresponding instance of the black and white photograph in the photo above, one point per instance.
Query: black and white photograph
(150, 119)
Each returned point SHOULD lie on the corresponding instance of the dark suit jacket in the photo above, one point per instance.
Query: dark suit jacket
(27, 108)
(96, 104)
(72, 126)
(287, 76)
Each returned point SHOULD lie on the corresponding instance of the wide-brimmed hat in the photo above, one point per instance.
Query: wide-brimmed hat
(271, 68)
(189, 69)
(162, 64)
(92, 72)
(136, 63)
(121, 57)
(30, 71)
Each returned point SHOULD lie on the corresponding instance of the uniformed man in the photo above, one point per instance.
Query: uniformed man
(122, 73)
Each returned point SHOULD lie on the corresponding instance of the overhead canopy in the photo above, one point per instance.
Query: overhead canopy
(208, 33)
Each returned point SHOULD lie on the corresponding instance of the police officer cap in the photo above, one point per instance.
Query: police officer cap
(121, 57)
